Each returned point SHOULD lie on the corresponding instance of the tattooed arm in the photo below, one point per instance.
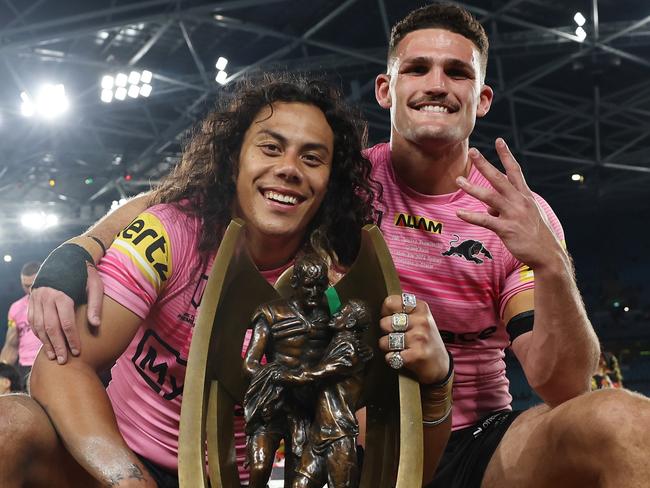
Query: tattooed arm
(78, 406)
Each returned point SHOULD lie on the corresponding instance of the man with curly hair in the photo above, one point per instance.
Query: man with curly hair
(284, 155)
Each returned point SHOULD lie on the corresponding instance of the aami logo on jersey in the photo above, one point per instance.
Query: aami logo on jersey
(449, 337)
(154, 359)
(147, 237)
(418, 222)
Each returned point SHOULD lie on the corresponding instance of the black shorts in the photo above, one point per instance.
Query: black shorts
(163, 478)
(469, 451)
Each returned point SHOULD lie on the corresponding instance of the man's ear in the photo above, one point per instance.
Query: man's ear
(485, 100)
(382, 90)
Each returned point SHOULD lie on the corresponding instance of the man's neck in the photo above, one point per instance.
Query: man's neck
(431, 169)
(269, 253)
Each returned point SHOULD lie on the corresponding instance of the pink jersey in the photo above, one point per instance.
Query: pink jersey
(28, 343)
(465, 274)
(154, 269)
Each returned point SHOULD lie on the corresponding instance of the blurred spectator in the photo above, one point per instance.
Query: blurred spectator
(21, 345)
(608, 374)
(10, 381)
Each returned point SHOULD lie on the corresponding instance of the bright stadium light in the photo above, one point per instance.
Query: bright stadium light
(577, 177)
(27, 107)
(121, 79)
(134, 91)
(145, 77)
(107, 95)
(580, 19)
(120, 93)
(133, 85)
(221, 77)
(7, 258)
(50, 101)
(221, 63)
(107, 82)
(581, 34)
(134, 77)
(145, 90)
(38, 220)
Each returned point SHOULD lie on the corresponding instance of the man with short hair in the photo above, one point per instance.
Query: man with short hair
(21, 344)
(474, 243)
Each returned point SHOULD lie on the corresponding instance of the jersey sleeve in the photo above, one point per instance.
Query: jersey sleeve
(138, 265)
(11, 321)
(519, 276)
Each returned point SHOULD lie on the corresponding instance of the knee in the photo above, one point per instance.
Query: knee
(20, 428)
(615, 419)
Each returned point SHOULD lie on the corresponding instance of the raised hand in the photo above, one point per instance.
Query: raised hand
(512, 212)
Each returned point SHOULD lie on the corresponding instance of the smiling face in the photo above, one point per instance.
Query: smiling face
(284, 168)
(433, 88)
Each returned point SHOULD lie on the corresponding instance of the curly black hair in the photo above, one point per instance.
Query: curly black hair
(203, 184)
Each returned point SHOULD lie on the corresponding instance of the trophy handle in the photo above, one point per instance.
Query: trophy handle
(214, 378)
(394, 438)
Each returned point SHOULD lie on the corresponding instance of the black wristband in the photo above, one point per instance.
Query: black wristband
(65, 270)
(100, 243)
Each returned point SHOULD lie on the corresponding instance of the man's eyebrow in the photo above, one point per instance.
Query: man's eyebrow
(459, 63)
(306, 146)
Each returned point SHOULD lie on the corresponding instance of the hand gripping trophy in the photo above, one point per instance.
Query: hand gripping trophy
(308, 366)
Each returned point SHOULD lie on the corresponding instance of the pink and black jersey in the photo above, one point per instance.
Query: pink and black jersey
(28, 343)
(154, 269)
(466, 275)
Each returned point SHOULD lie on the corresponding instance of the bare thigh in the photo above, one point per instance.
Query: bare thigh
(31, 451)
(549, 447)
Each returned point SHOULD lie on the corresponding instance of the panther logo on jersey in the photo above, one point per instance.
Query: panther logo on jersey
(468, 249)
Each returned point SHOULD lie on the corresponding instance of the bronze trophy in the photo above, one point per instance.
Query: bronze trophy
(304, 395)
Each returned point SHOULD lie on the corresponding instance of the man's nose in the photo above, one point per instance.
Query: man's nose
(290, 167)
(436, 81)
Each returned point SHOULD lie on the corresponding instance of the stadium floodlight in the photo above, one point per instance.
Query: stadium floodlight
(221, 77)
(221, 63)
(38, 220)
(134, 77)
(107, 82)
(121, 79)
(107, 95)
(145, 90)
(27, 107)
(120, 93)
(134, 91)
(51, 100)
(133, 85)
(581, 34)
(146, 76)
(7, 258)
(577, 177)
(580, 19)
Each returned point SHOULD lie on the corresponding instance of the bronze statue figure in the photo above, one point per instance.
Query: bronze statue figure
(289, 333)
(309, 389)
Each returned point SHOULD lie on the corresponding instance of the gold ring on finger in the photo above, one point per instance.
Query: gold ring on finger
(400, 322)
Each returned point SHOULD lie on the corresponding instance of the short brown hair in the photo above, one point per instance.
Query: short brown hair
(30, 269)
(442, 16)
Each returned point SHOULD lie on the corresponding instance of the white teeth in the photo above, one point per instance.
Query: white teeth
(434, 108)
(279, 197)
